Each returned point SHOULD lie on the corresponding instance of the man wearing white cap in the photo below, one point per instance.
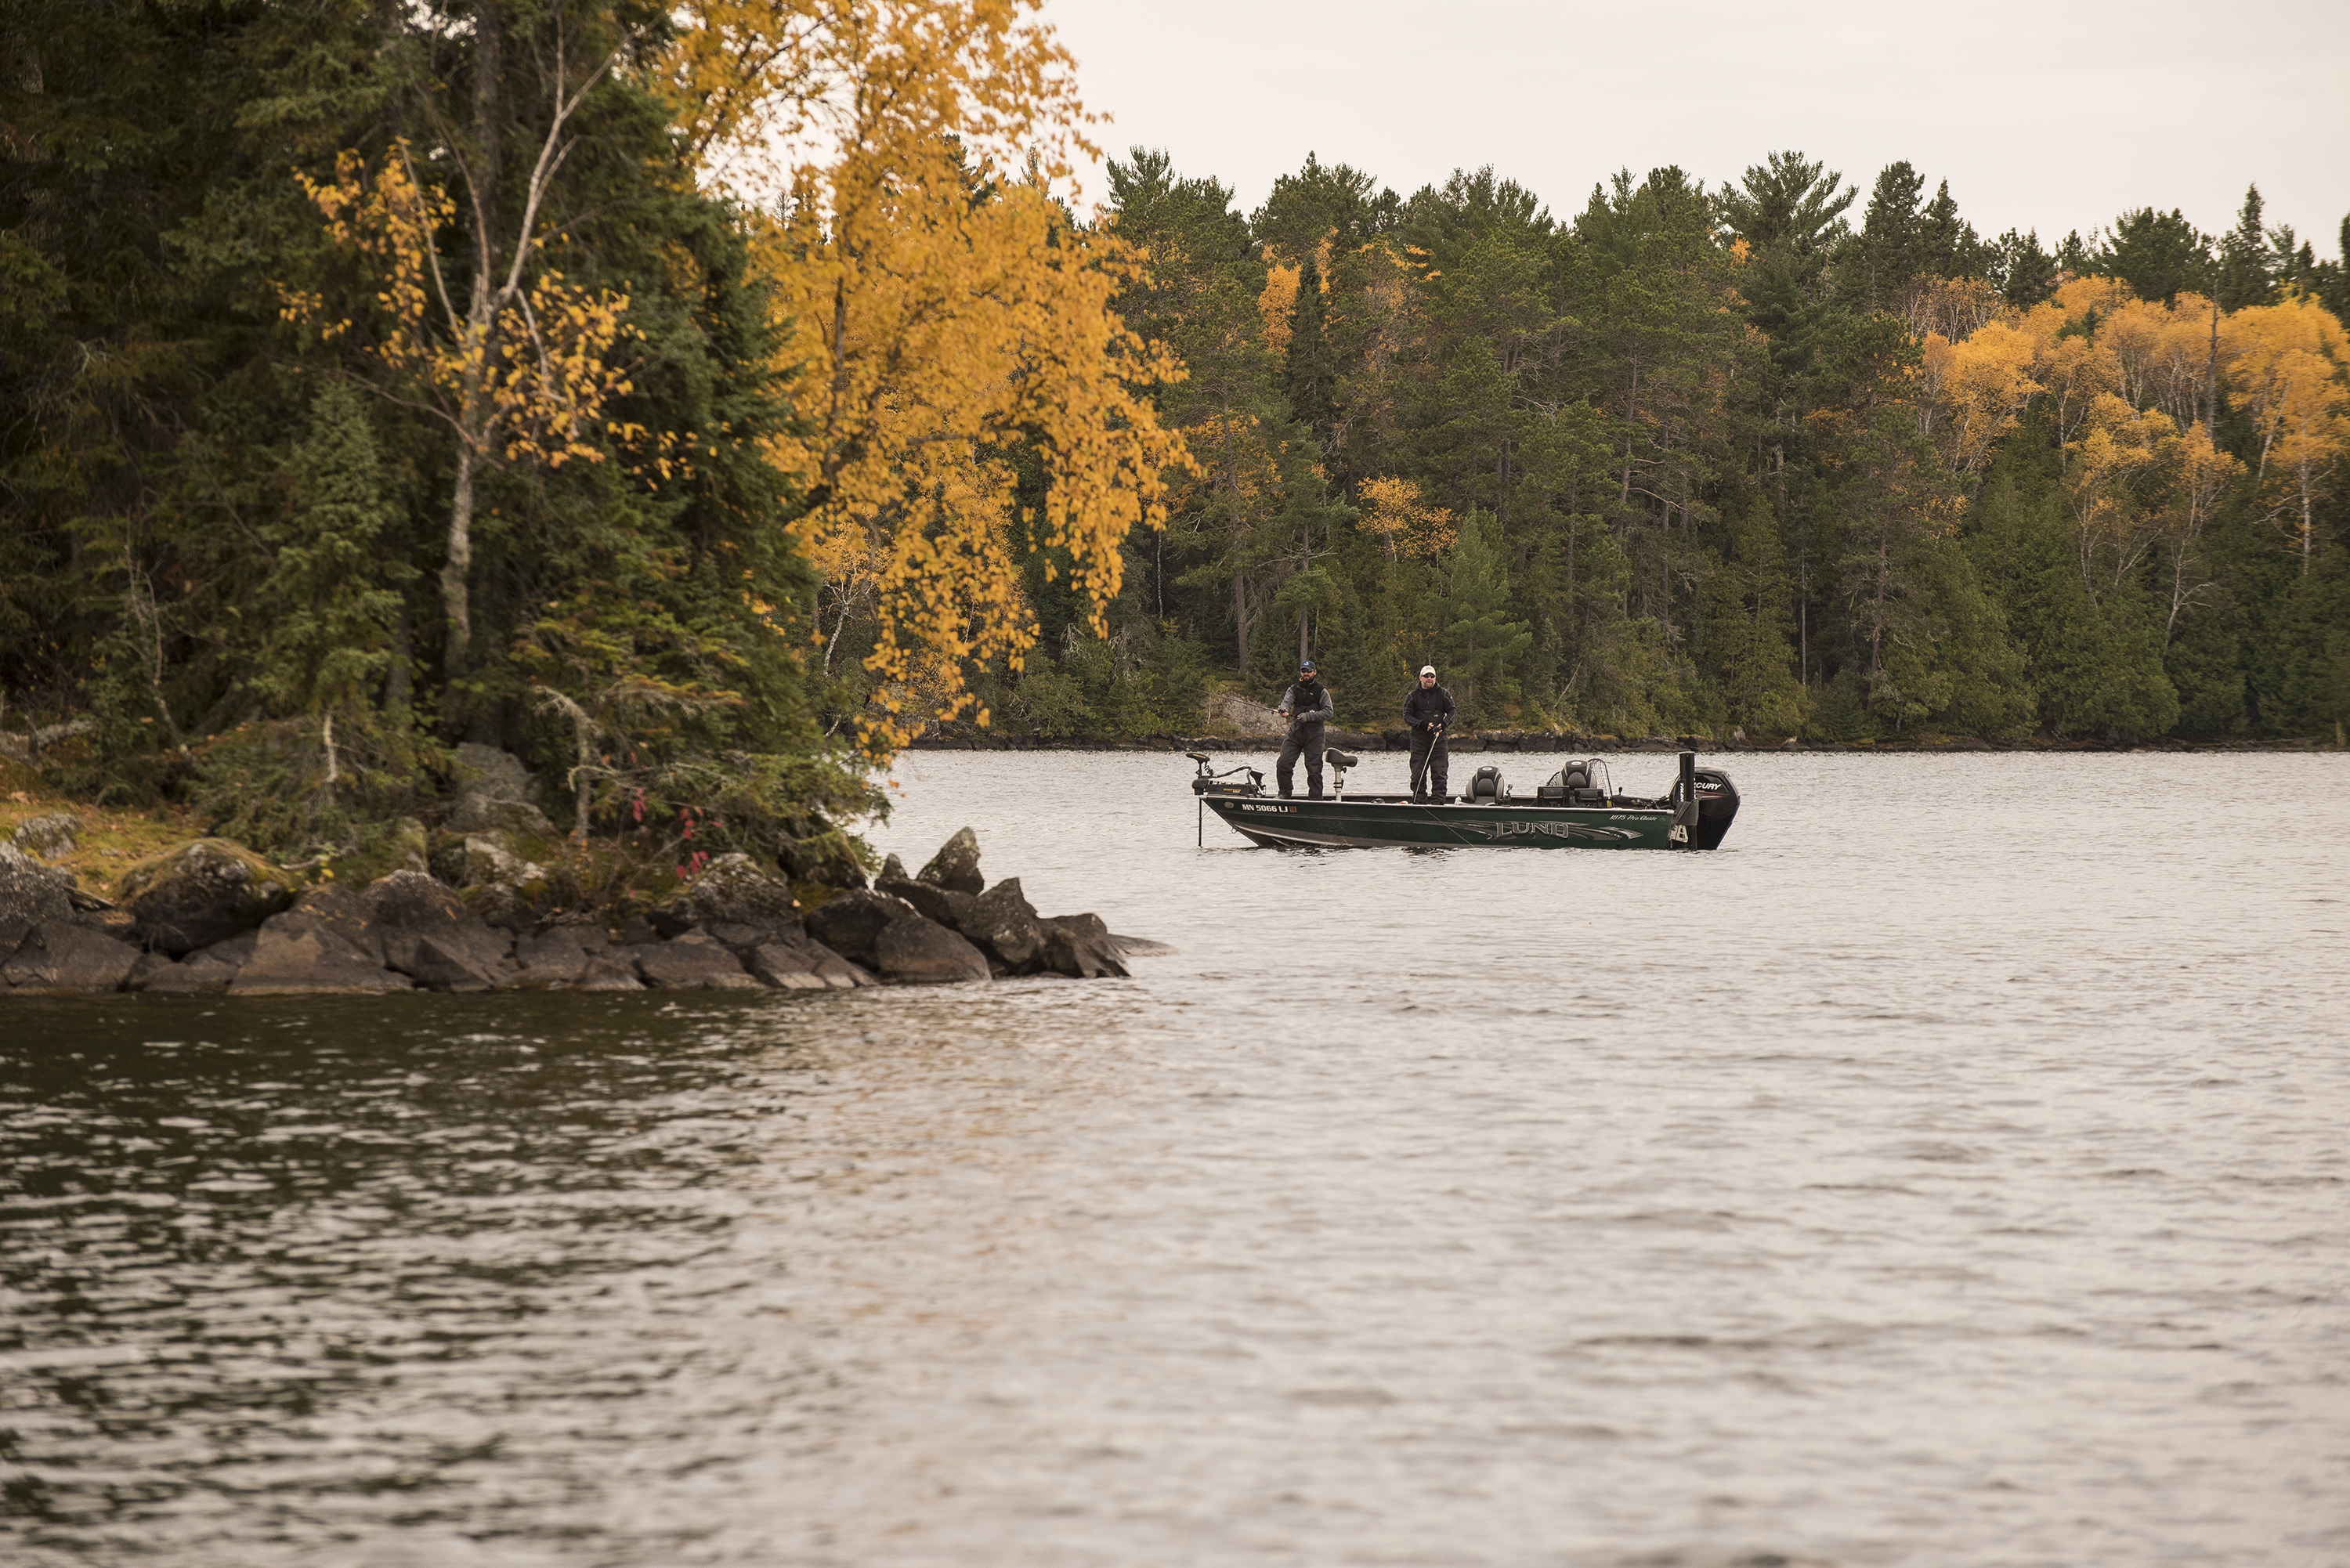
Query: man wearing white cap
(1428, 713)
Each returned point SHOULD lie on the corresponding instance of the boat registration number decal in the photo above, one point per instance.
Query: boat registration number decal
(1288, 808)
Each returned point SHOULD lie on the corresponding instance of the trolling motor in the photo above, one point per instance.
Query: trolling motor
(1205, 779)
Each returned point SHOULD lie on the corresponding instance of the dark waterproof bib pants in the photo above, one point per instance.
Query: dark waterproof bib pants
(1305, 740)
(1430, 770)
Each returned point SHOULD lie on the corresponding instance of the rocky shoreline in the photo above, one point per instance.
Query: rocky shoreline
(212, 918)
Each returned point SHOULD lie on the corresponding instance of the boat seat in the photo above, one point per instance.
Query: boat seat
(1485, 787)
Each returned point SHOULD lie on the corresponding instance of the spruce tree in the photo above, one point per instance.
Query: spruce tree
(1479, 647)
(2159, 254)
(1311, 375)
(2244, 279)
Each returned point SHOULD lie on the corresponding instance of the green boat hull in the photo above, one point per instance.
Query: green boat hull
(1374, 821)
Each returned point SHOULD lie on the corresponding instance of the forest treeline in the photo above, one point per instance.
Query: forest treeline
(1775, 458)
(700, 398)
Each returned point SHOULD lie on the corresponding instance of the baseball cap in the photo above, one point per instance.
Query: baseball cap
(1305, 667)
(1428, 669)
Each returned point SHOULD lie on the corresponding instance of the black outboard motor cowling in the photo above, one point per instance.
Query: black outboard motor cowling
(1717, 806)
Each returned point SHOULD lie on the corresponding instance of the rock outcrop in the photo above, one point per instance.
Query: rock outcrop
(49, 836)
(495, 793)
(912, 950)
(31, 895)
(732, 890)
(850, 922)
(56, 957)
(203, 893)
(955, 866)
(211, 918)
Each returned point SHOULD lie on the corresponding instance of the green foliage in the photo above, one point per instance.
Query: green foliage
(1477, 647)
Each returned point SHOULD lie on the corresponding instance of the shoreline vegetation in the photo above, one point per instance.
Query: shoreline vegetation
(688, 409)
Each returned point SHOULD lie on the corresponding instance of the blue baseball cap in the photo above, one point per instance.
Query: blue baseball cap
(1305, 667)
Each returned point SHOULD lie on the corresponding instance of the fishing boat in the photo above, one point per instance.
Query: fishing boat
(1577, 808)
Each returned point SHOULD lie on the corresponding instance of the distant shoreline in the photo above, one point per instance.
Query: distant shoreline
(1549, 742)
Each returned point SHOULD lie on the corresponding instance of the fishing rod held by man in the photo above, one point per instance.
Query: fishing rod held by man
(1427, 712)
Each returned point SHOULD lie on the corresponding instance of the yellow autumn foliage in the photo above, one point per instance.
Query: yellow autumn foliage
(935, 310)
(2288, 367)
(1393, 513)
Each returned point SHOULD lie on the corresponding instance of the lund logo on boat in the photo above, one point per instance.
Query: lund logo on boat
(1495, 832)
(1499, 830)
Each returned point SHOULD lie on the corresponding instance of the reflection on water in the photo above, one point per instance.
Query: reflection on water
(1949, 1170)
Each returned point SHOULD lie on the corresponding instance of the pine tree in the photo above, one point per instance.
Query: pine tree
(1479, 647)
(2245, 277)
(2024, 274)
(332, 596)
(2159, 254)
(1312, 376)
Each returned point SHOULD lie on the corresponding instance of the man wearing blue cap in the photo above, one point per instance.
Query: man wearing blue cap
(1307, 707)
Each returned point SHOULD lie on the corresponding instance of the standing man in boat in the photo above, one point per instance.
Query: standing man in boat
(1307, 707)
(1428, 713)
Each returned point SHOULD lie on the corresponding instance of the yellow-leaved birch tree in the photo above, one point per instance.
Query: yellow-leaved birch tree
(939, 305)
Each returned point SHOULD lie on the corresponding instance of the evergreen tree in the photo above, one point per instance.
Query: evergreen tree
(2244, 271)
(2159, 254)
(1478, 646)
(2024, 274)
(1875, 269)
(331, 601)
(1311, 374)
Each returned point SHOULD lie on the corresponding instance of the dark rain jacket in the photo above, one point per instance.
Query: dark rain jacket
(1308, 703)
(1427, 706)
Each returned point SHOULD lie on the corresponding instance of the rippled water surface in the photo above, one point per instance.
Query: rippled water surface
(1949, 1170)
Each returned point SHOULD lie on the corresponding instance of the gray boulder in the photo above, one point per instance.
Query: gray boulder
(790, 961)
(59, 959)
(488, 859)
(49, 836)
(848, 922)
(956, 864)
(503, 906)
(609, 972)
(948, 907)
(301, 955)
(429, 932)
(205, 973)
(343, 910)
(733, 891)
(494, 793)
(1080, 946)
(912, 950)
(30, 895)
(558, 956)
(1004, 925)
(203, 893)
(692, 962)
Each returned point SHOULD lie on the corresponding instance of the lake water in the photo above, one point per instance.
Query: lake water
(1952, 1169)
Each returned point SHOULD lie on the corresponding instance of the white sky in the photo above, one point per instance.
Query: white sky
(2055, 115)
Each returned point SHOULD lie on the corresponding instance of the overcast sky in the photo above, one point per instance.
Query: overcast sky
(2055, 115)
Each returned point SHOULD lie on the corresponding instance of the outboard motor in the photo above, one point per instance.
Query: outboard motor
(1717, 807)
(1704, 804)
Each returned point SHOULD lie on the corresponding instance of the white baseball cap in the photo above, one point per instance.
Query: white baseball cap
(1428, 669)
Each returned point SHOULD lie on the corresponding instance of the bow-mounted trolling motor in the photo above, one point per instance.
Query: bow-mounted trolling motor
(1207, 781)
